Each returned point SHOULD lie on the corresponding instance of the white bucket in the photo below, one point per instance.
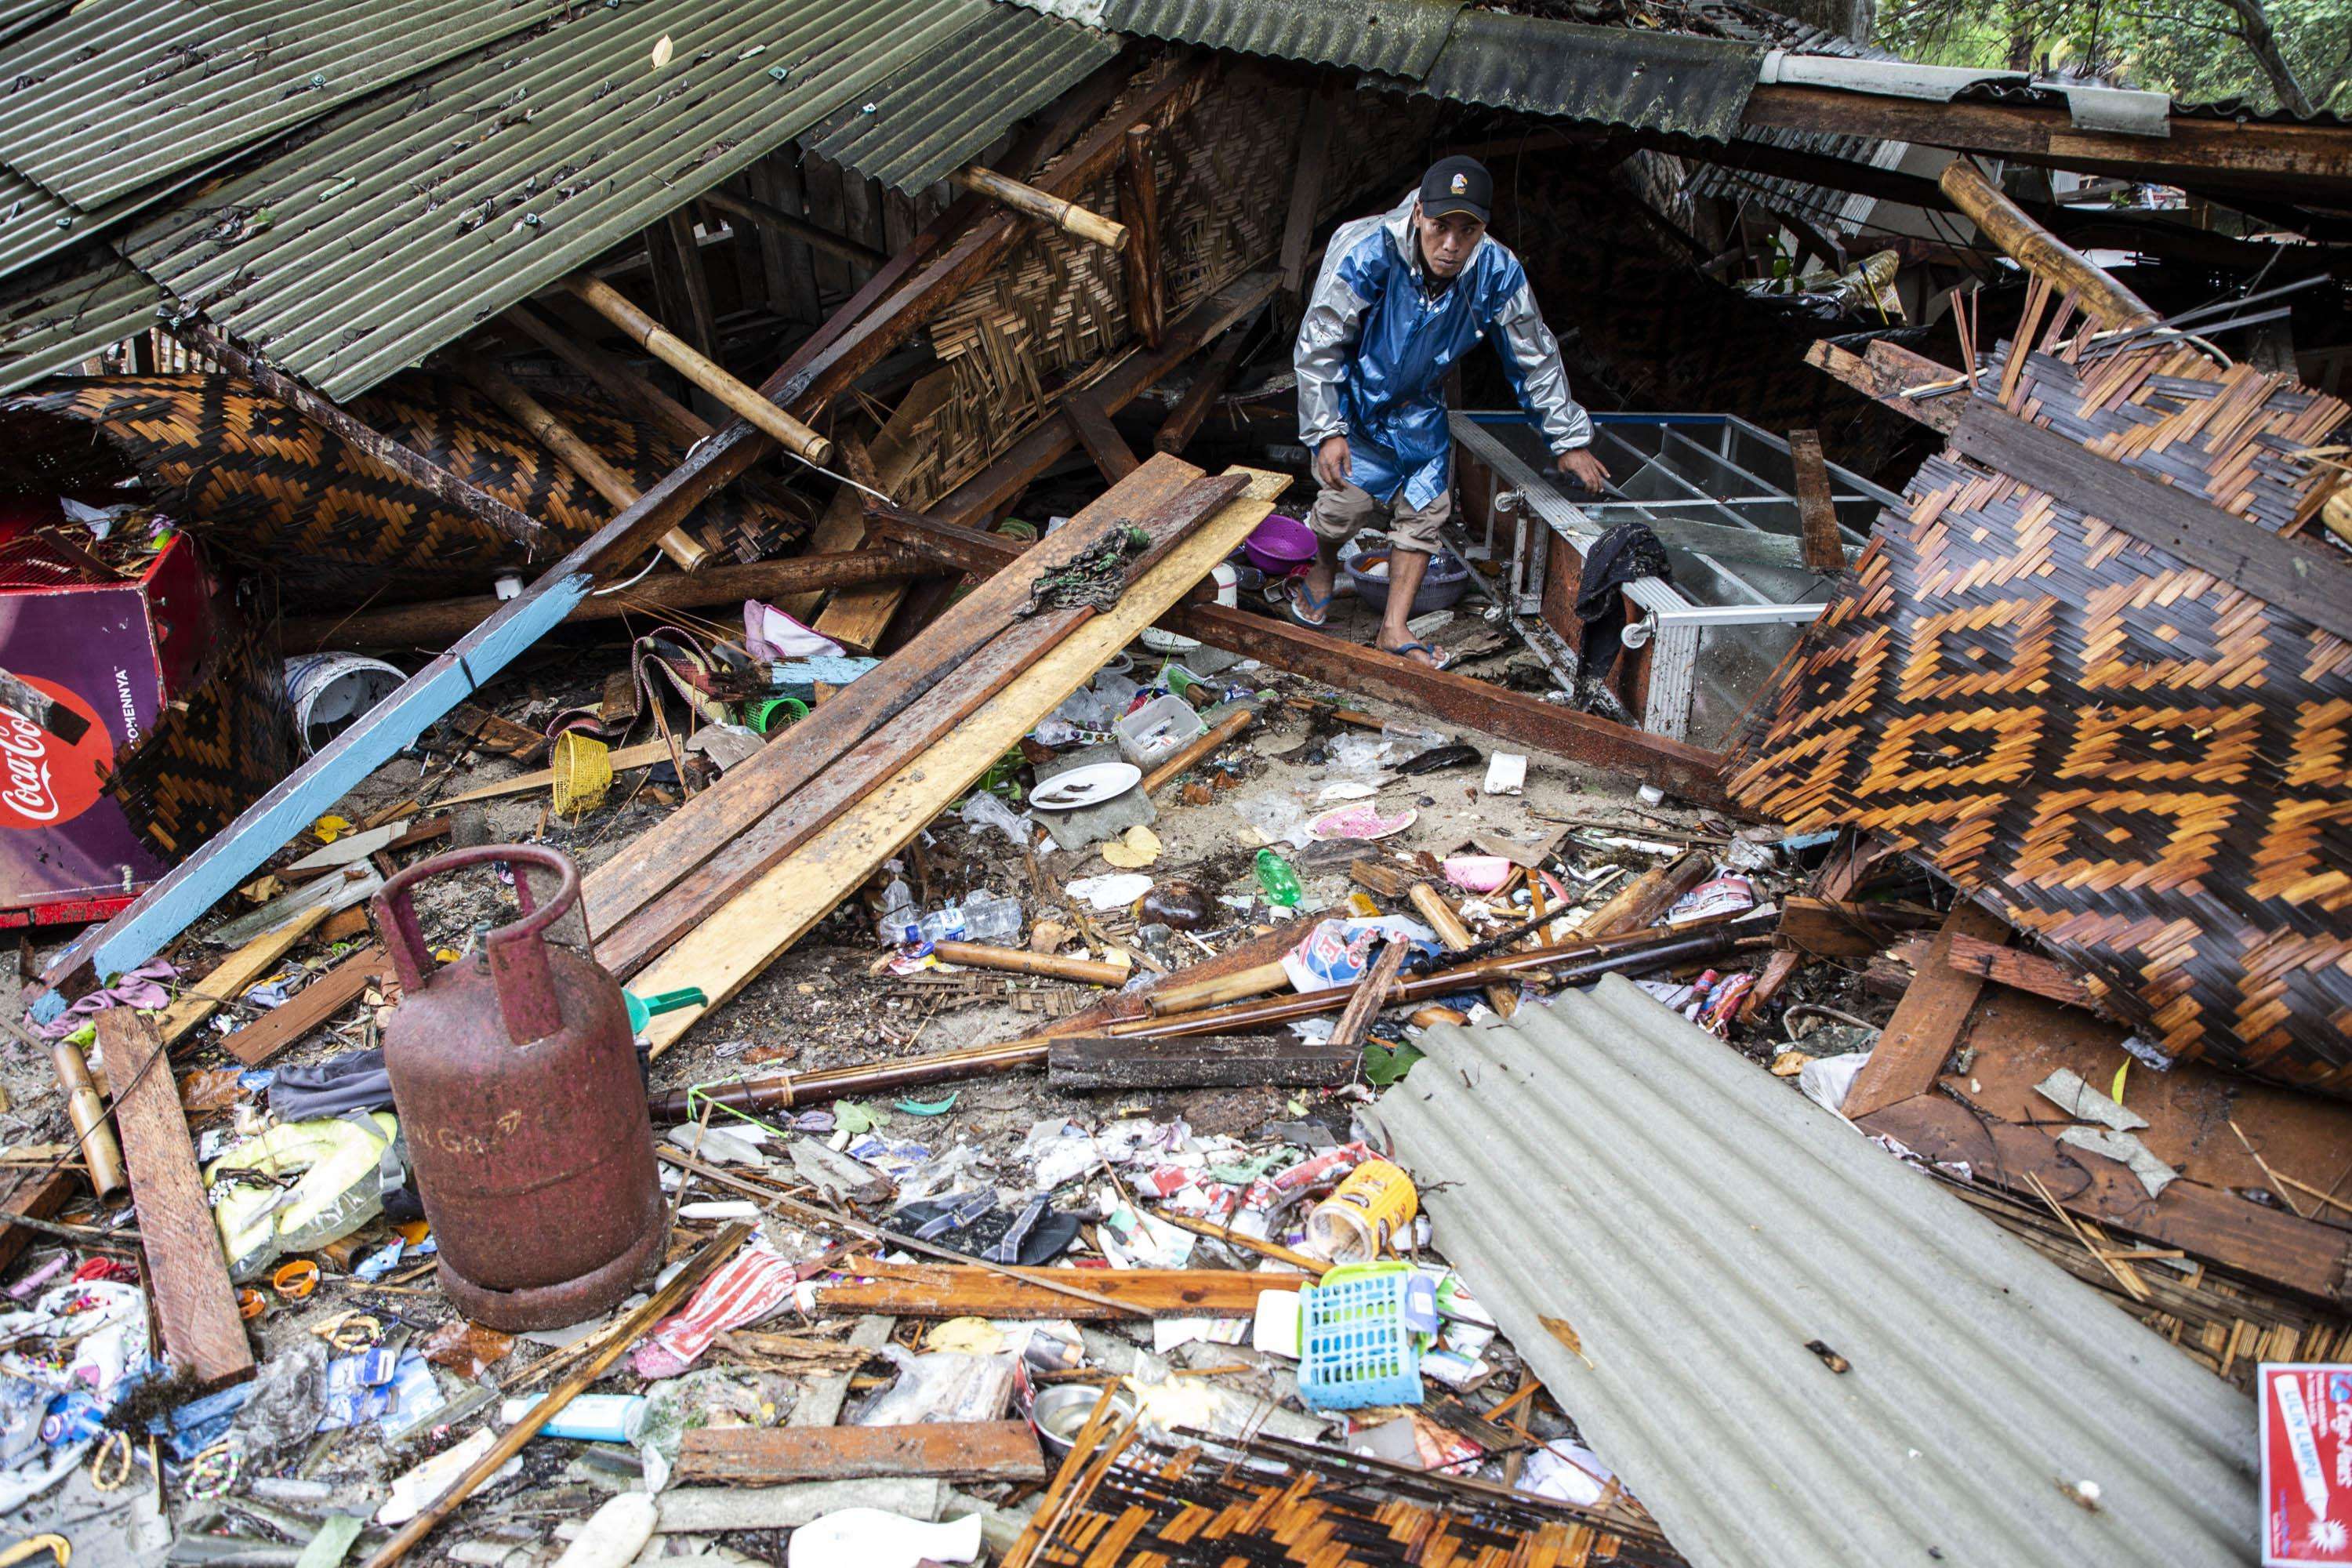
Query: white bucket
(328, 690)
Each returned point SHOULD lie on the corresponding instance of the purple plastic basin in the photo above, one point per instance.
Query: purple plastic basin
(1280, 545)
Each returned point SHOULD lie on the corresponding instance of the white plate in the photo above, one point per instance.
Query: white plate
(1088, 785)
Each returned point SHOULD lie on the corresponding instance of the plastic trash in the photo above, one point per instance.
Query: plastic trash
(941, 1386)
(615, 1533)
(589, 1419)
(1363, 1213)
(1278, 880)
(989, 917)
(897, 924)
(343, 1184)
(1158, 729)
(984, 810)
(870, 1538)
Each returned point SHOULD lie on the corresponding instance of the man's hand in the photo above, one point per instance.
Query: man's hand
(1331, 462)
(1582, 467)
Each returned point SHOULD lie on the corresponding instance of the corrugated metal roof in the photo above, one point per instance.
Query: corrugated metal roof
(1613, 76)
(1601, 1165)
(123, 92)
(1396, 37)
(1841, 210)
(16, 15)
(33, 223)
(933, 116)
(50, 324)
(413, 217)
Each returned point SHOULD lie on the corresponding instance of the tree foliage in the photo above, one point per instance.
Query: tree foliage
(2295, 53)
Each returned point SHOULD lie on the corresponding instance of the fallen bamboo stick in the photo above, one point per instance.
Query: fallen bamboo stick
(1183, 997)
(666, 346)
(2041, 253)
(1450, 930)
(1066, 216)
(87, 1112)
(1226, 728)
(661, 1303)
(1015, 961)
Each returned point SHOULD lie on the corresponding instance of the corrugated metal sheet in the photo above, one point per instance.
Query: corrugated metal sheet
(1395, 38)
(1820, 204)
(1601, 1165)
(33, 223)
(934, 116)
(17, 15)
(411, 219)
(121, 92)
(50, 325)
(1612, 75)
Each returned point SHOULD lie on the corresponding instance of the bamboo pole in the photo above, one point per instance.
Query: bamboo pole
(2041, 253)
(663, 1302)
(1184, 997)
(674, 351)
(1014, 961)
(573, 453)
(1066, 216)
(99, 1152)
(1226, 728)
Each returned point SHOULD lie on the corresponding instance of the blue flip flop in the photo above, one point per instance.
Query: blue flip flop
(1321, 603)
(1406, 650)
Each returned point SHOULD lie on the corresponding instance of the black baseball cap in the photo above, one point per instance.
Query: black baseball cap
(1457, 184)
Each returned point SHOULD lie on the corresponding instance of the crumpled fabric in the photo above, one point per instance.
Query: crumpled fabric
(747, 1287)
(142, 988)
(1626, 552)
(64, 1389)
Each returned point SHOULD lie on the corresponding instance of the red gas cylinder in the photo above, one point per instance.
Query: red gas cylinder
(516, 1080)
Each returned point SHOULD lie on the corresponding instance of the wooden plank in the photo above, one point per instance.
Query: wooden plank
(681, 286)
(762, 215)
(1216, 373)
(2308, 581)
(776, 1455)
(736, 942)
(1112, 456)
(308, 1008)
(1643, 901)
(2019, 969)
(1306, 181)
(1827, 928)
(1139, 209)
(1198, 1061)
(2293, 1254)
(1911, 1049)
(1816, 511)
(946, 1291)
(195, 1306)
(228, 979)
(1881, 378)
(36, 1195)
(922, 706)
(1370, 997)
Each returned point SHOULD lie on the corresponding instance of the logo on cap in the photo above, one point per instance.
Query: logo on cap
(1461, 184)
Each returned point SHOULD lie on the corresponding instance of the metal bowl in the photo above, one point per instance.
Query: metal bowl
(1061, 1410)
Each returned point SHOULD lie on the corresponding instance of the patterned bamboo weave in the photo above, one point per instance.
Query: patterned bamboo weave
(219, 746)
(2142, 765)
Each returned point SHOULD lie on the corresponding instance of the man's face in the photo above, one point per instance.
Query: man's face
(1447, 242)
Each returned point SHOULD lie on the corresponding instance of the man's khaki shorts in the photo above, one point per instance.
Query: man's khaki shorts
(1340, 515)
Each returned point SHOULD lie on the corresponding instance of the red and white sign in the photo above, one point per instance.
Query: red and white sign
(43, 781)
(2306, 1426)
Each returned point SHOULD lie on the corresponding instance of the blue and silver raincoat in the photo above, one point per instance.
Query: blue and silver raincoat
(1376, 344)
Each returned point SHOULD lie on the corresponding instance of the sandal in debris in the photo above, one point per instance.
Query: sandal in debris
(1406, 650)
(1304, 599)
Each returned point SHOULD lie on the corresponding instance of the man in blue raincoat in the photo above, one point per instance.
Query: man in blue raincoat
(1401, 298)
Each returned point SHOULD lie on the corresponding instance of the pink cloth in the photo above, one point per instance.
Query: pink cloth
(747, 1287)
(140, 988)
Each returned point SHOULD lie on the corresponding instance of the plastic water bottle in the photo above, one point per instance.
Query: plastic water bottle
(897, 925)
(989, 918)
(1280, 882)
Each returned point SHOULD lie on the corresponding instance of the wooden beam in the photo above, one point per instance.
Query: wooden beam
(1911, 1049)
(2018, 969)
(572, 452)
(410, 465)
(195, 1306)
(1216, 373)
(1816, 510)
(2298, 1255)
(1139, 209)
(681, 286)
(2285, 154)
(36, 1195)
(703, 371)
(961, 1451)
(1371, 997)
(1198, 1061)
(1028, 200)
(310, 1007)
(946, 1291)
(2304, 579)
(1643, 901)
(762, 215)
(1883, 377)
(2041, 253)
(1308, 178)
(1112, 456)
(434, 624)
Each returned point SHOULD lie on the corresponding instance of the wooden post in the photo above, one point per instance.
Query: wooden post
(1101, 439)
(761, 215)
(1816, 503)
(1306, 192)
(575, 453)
(1216, 373)
(629, 390)
(664, 345)
(1138, 208)
(1063, 213)
(2041, 253)
(682, 288)
(413, 467)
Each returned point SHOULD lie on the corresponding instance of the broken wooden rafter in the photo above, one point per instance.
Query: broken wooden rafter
(1816, 508)
(1138, 208)
(1928, 1023)
(435, 623)
(935, 1291)
(1216, 373)
(961, 1451)
(1028, 200)
(2041, 253)
(1888, 372)
(2019, 969)
(1111, 454)
(810, 234)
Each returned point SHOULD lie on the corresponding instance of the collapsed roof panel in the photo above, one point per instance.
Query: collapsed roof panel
(1395, 38)
(936, 114)
(1706, 1237)
(121, 92)
(1615, 76)
(409, 220)
(51, 321)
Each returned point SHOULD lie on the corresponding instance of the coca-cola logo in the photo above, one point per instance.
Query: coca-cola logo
(43, 781)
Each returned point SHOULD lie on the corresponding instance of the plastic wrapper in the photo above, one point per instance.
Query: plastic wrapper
(941, 1385)
(466, 1348)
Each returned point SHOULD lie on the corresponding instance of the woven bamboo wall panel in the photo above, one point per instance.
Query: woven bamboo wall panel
(264, 486)
(219, 746)
(2147, 768)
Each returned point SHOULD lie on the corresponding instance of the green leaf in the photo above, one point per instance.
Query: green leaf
(1383, 1066)
(930, 1107)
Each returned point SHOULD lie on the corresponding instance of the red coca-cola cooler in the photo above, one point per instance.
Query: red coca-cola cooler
(107, 649)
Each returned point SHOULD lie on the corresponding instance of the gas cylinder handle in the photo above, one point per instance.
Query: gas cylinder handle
(517, 953)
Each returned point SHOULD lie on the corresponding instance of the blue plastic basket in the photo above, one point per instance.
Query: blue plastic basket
(1354, 1349)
